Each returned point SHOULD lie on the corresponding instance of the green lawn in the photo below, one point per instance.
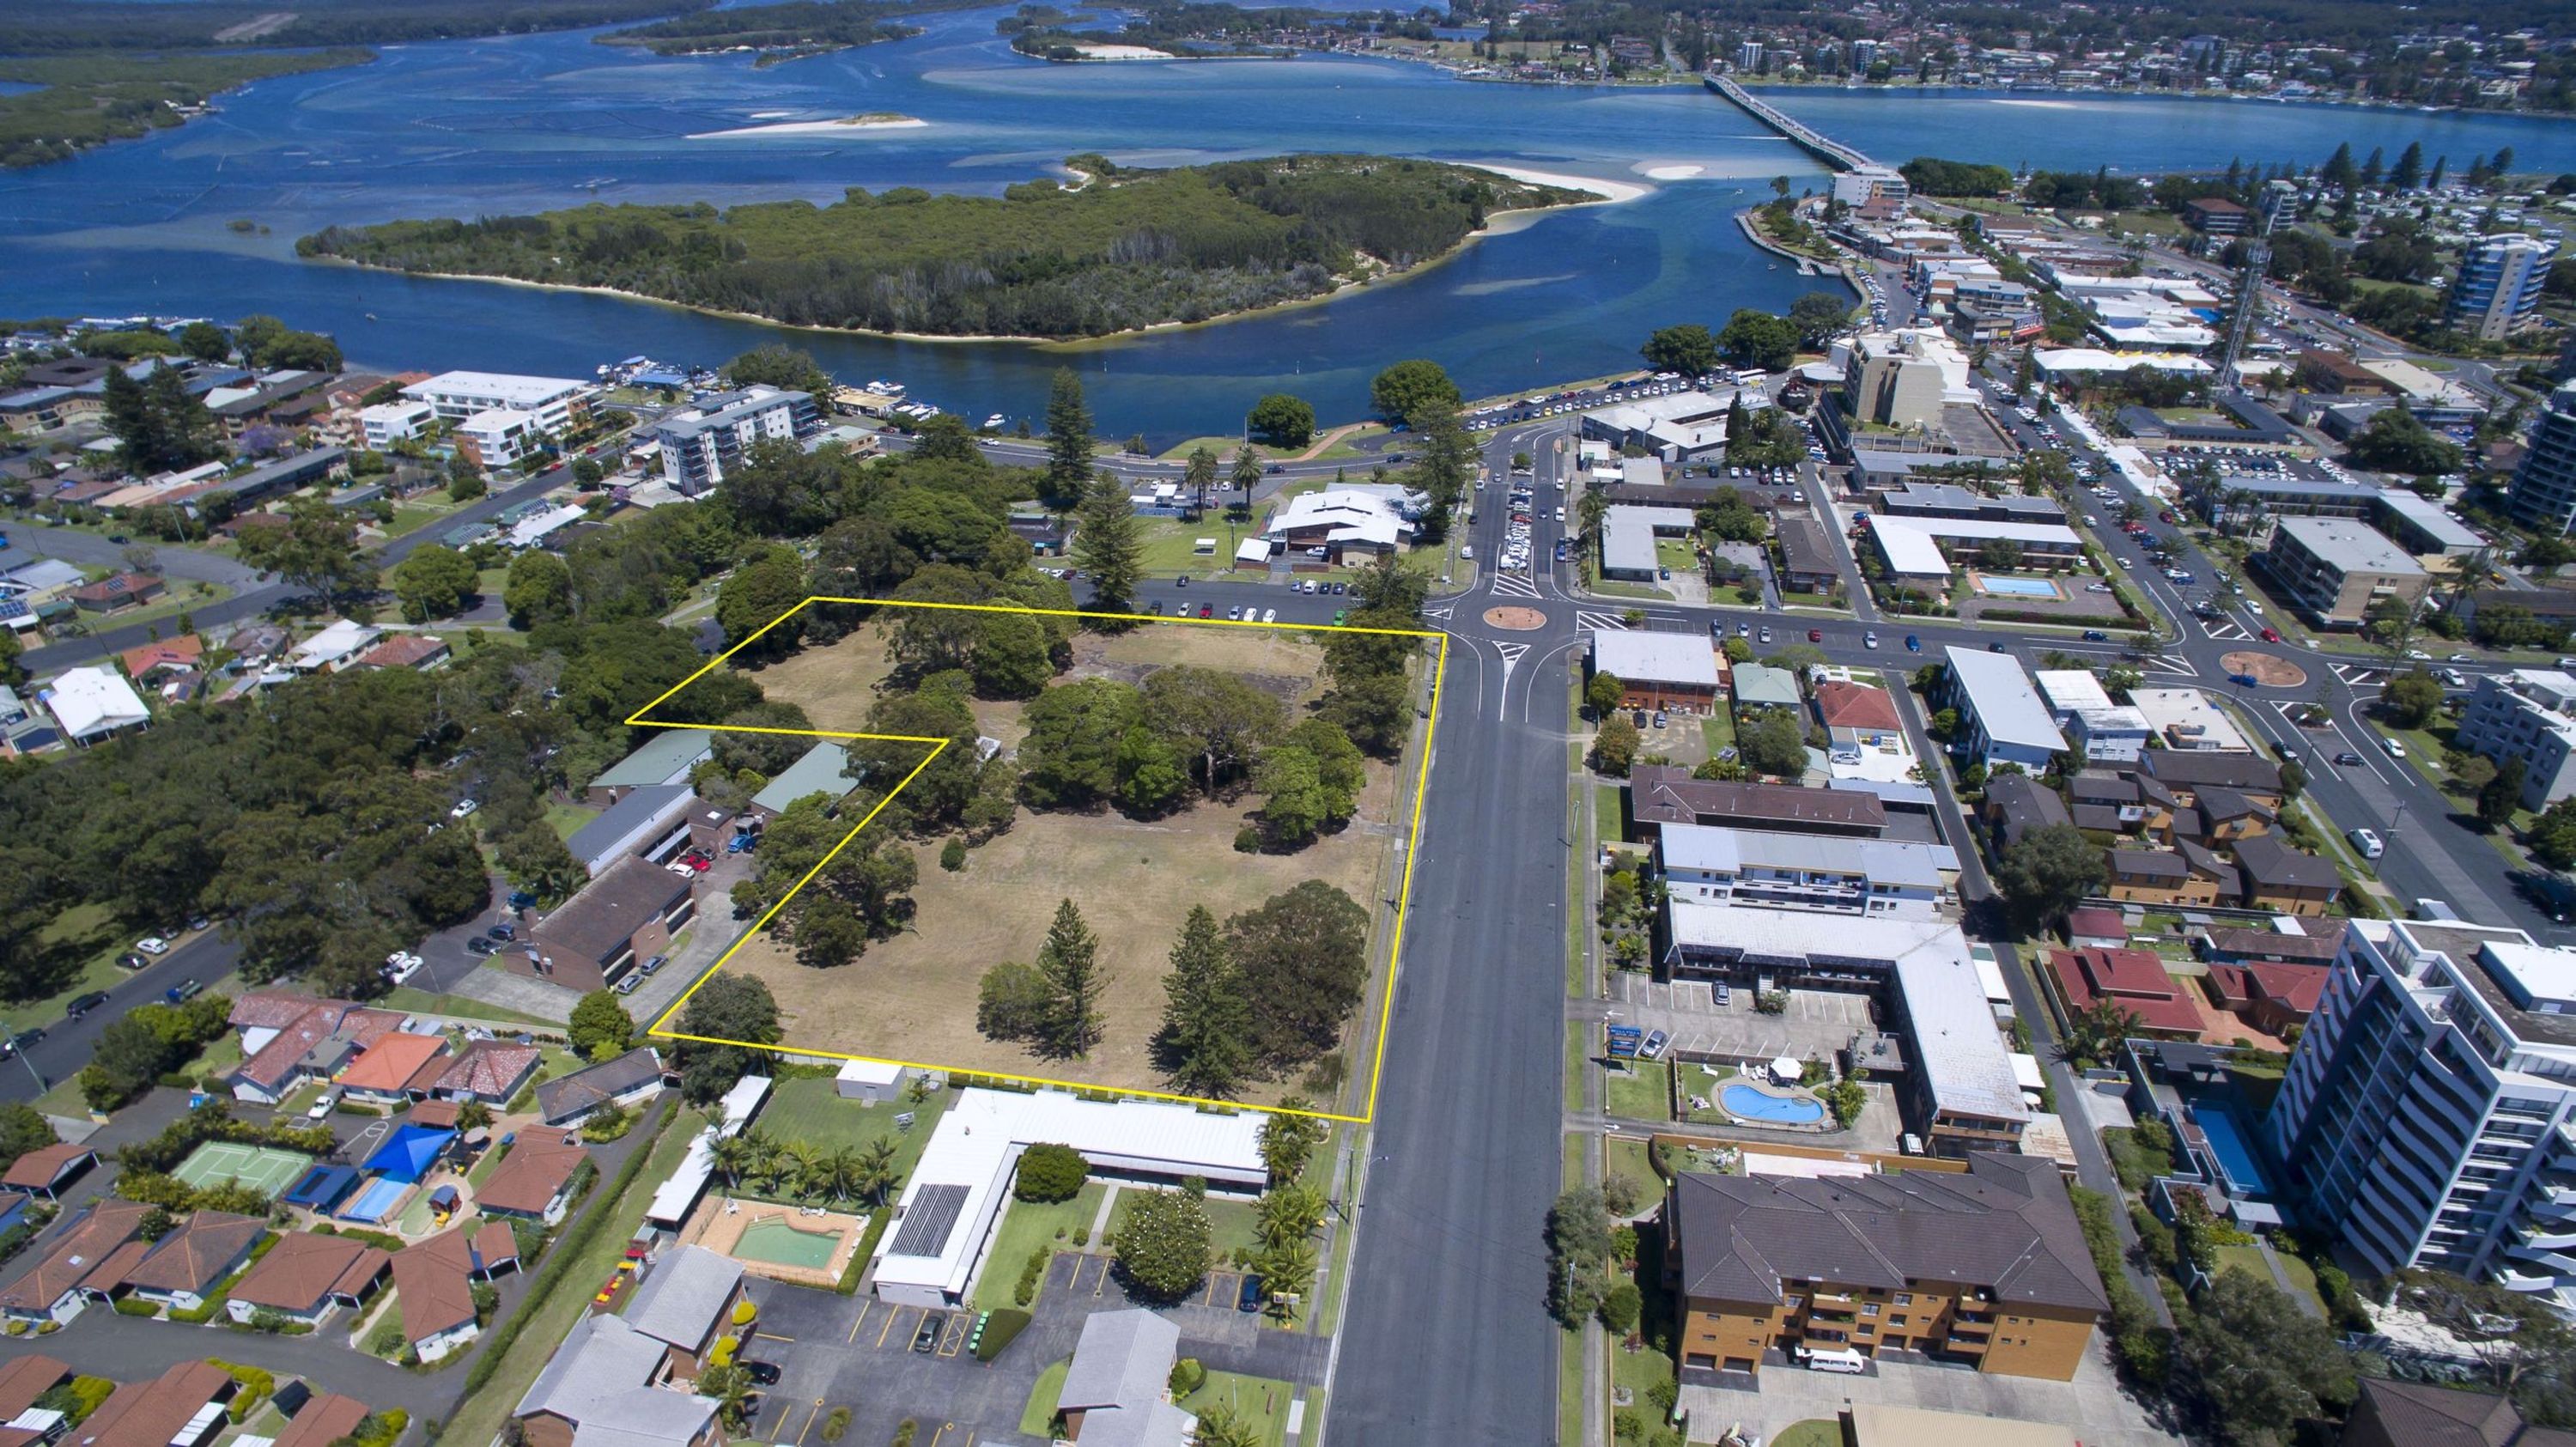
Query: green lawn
(1037, 1419)
(1642, 1091)
(1257, 1402)
(404, 997)
(1610, 813)
(1025, 1227)
(810, 1109)
(1631, 590)
(567, 819)
(1719, 730)
(1578, 1058)
(478, 1418)
(1571, 1416)
(1231, 1228)
(1171, 544)
(1630, 1157)
(1814, 1432)
(84, 932)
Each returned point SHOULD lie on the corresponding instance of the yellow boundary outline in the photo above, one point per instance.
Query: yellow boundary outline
(1404, 892)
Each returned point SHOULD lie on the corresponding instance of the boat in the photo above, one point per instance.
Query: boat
(886, 389)
(996, 422)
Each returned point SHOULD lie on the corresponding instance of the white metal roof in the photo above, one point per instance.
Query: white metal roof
(2071, 690)
(498, 388)
(1628, 542)
(1909, 550)
(870, 1072)
(1655, 657)
(88, 701)
(1999, 691)
(1720, 850)
(978, 1142)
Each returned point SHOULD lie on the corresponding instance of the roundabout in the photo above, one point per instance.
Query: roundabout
(1515, 620)
(2269, 670)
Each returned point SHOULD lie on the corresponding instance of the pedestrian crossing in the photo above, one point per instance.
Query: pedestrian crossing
(1514, 585)
(1593, 618)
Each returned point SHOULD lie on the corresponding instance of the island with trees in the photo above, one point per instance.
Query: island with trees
(1123, 250)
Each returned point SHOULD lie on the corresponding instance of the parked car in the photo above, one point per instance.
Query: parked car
(633, 980)
(764, 1373)
(1653, 1049)
(927, 1338)
(482, 945)
(19, 1041)
(2368, 843)
(655, 963)
(463, 808)
(131, 961)
(1252, 1294)
(503, 931)
(153, 945)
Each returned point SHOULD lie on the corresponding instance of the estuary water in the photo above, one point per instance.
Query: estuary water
(202, 220)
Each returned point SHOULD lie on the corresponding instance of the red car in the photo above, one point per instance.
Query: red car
(1815, 635)
(2271, 635)
(2167, 517)
(1204, 609)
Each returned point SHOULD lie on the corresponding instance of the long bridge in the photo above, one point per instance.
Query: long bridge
(1824, 148)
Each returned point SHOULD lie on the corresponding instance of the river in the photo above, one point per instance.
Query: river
(526, 123)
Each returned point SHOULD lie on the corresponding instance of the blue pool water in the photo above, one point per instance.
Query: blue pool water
(2227, 1142)
(1746, 1103)
(376, 1202)
(2017, 587)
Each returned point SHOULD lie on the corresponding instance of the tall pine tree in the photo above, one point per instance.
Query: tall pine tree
(1109, 545)
(1069, 963)
(1068, 420)
(1207, 1024)
(2408, 173)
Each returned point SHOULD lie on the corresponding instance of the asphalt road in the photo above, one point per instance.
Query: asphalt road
(205, 956)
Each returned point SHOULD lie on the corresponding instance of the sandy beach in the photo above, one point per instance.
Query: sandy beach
(1611, 191)
(816, 128)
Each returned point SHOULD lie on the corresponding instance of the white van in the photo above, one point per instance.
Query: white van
(2367, 842)
(1842, 1361)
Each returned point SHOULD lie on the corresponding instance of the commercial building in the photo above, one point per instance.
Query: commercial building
(2184, 719)
(953, 1203)
(1834, 873)
(2527, 715)
(2334, 569)
(1987, 1268)
(704, 441)
(1877, 192)
(1339, 525)
(625, 916)
(1903, 379)
(1673, 428)
(2216, 216)
(1628, 545)
(2001, 717)
(2497, 292)
(667, 757)
(2428, 1117)
(1806, 557)
(2543, 494)
(2419, 524)
(1958, 1082)
(1675, 671)
(557, 403)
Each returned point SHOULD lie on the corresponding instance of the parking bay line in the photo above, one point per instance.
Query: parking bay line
(770, 1336)
(890, 1320)
(864, 1308)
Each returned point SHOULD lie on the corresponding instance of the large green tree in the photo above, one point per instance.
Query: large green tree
(1281, 421)
(1759, 339)
(758, 595)
(1303, 955)
(2047, 871)
(1444, 467)
(726, 1007)
(1069, 961)
(600, 1026)
(1162, 1242)
(1067, 479)
(537, 589)
(1206, 1043)
(1109, 546)
(315, 550)
(1396, 393)
(1687, 349)
(433, 582)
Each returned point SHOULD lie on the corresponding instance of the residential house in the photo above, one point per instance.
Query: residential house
(2187, 771)
(14, 1209)
(147, 663)
(45, 1170)
(2394, 1413)
(1660, 794)
(419, 651)
(2236, 946)
(2092, 925)
(2123, 804)
(334, 648)
(93, 703)
(692, 1299)
(393, 1068)
(1806, 557)
(322, 1421)
(315, 1042)
(1758, 685)
(631, 1078)
(491, 1071)
(183, 1268)
(183, 1407)
(607, 1384)
(2270, 997)
(2118, 734)
(1675, 671)
(1117, 1388)
(1857, 715)
(304, 1278)
(2158, 876)
(534, 1181)
(84, 1260)
(1987, 1268)
(118, 590)
(2016, 804)
(618, 921)
(25, 1380)
(435, 1281)
(2284, 879)
(2133, 980)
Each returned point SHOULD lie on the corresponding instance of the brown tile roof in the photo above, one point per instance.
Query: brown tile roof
(269, 1009)
(196, 1256)
(2006, 1225)
(2270, 863)
(26, 1378)
(325, 1420)
(528, 1179)
(322, 1023)
(1855, 706)
(2095, 920)
(598, 923)
(2421, 1414)
(149, 1414)
(2258, 944)
(495, 1244)
(301, 1269)
(39, 1168)
(404, 650)
(1665, 794)
(489, 1068)
(392, 1061)
(434, 1114)
(2151, 863)
(437, 1285)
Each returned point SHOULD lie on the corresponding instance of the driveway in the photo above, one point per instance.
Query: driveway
(2092, 1405)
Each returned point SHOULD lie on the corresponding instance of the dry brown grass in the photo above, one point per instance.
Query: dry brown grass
(912, 998)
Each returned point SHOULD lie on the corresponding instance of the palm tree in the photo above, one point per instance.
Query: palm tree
(835, 1175)
(2477, 570)
(876, 1172)
(730, 1386)
(1292, 1212)
(1287, 1269)
(797, 1165)
(735, 1157)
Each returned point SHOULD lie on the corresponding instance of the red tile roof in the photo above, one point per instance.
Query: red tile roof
(150, 1414)
(2134, 979)
(38, 1169)
(196, 1256)
(1855, 706)
(301, 1269)
(324, 1420)
(390, 1063)
(182, 652)
(489, 1069)
(404, 650)
(2297, 988)
(2096, 922)
(25, 1379)
(529, 1177)
(436, 1277)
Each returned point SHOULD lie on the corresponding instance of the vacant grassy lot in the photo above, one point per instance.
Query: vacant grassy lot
(912, 998)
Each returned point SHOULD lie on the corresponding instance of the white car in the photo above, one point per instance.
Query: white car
(463, 808)
(1269, 615)
(153, 945)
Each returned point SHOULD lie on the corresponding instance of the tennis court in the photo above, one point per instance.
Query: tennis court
(264, 1169)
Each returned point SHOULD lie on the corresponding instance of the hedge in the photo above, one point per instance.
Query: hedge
(258, 1384)
(878, 1220)
(999, 1329)
(2070, 620)
(567, 1249)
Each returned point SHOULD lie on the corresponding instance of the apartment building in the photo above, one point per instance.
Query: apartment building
(2527, 715)
(2497, 292)
(498, 437)
(1833, 873)
(2543, 494)
(558, 403)
(387, 423)
(2002, 718)
(2428, 1117)
(1877, 192)
(1986, 1267)
(2334, 569)
(703, 442)
(1903, 379)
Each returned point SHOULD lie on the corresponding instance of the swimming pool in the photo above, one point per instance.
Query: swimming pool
(2227, 1142)
(780, 1244)
(2016, 587)
(1745, 1103)
(376, 1202)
